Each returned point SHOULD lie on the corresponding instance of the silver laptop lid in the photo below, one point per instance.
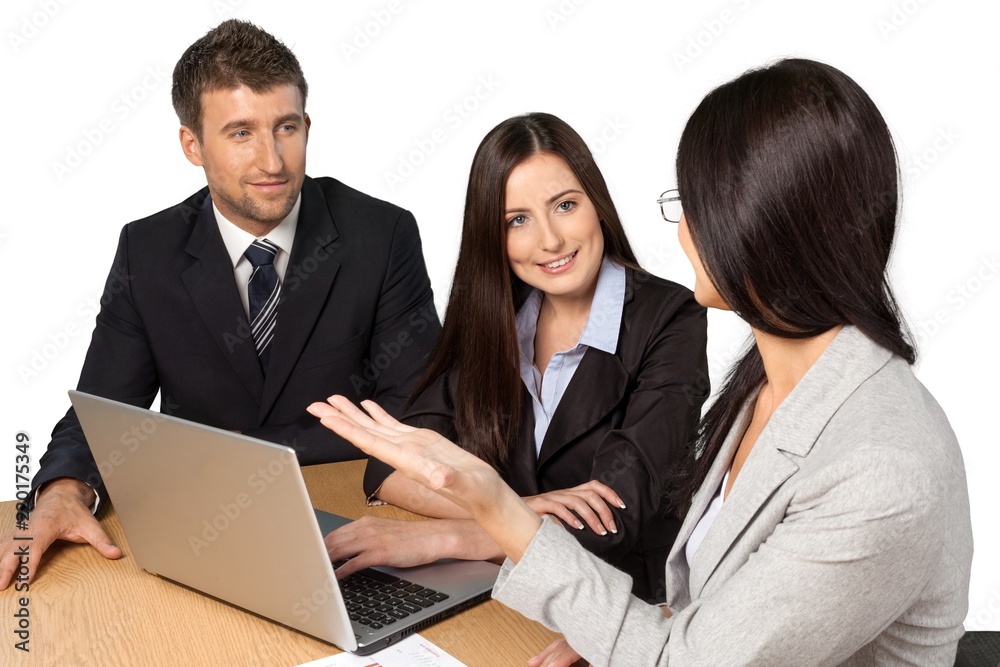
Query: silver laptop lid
(184, 494)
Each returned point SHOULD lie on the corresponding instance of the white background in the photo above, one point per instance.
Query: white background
(90, 143)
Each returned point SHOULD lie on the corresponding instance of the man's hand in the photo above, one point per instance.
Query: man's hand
(373, 541)
(587, 501)
(62, 512)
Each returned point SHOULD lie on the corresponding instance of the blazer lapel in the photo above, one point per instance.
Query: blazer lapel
(521, 472)
(212, 288)
(678, 577)
(599, 383)
(304, 289)
(789, 436)
(764, 471)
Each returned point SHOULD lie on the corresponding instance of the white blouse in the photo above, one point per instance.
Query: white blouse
(705, 523)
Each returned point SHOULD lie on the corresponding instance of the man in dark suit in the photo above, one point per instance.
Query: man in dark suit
(263, 292)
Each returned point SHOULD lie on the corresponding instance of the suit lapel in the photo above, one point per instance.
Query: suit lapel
(599, 384)
(678, 577)
(521, 471)
(304, 289)
(212, 288)
(788, 437)
(765, 470)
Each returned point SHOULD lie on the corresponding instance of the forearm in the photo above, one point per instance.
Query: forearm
(571, 591)
(67, 456)
(467, 540)
(644, 517)
(119, 366)
(409, 495)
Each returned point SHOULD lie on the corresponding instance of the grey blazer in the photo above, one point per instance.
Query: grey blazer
(846, 539)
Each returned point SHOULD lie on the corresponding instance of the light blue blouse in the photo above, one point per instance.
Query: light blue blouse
(601, 331)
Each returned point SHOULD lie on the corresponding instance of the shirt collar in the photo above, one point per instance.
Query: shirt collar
(526, 324)
(603, 323)
(238, 240)
(605, 320)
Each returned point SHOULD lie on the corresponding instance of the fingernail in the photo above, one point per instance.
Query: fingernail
(621, 504)
(614, 530)
(579, 526)
(603, 533)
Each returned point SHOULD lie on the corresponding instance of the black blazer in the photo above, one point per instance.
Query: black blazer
(357, 317)
(624, 420)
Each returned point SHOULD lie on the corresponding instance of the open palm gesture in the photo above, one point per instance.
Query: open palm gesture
(419, 454)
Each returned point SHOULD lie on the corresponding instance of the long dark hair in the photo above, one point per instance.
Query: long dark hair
(479, 339)
(788, 176)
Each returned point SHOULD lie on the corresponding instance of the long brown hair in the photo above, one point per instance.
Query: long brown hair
(479, 337)
(788, 177)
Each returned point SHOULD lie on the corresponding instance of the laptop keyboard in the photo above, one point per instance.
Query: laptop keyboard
(377, 599)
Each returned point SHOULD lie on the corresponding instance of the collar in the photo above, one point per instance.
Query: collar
(603, 322)
(849, 360)
(237, 240)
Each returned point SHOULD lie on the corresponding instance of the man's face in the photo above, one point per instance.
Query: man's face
(253, 150)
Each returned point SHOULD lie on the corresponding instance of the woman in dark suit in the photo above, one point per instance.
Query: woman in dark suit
(573, 372)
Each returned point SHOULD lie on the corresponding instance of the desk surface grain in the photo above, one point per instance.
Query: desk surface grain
(85, 610)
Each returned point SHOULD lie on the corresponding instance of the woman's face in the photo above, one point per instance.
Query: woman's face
(554, 239)
(704, 290)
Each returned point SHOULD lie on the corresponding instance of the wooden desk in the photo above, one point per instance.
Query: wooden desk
(86, 610)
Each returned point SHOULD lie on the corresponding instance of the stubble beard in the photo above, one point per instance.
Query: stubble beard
(262, 216)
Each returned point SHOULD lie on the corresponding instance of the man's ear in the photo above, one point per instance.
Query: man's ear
(191, 146)
(308, 125)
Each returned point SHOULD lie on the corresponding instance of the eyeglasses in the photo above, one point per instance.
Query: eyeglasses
(670, 205)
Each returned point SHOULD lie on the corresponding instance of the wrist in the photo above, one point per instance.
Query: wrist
(467, 540)
(511, 524)
(67, 488)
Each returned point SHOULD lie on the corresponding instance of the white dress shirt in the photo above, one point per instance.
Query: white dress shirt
(238, 240)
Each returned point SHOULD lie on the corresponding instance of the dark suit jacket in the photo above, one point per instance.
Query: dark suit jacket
(624, 420)
(357, 317)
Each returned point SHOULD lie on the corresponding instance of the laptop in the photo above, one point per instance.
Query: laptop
(229, 516)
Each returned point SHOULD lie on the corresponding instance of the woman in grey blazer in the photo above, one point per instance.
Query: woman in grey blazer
(828, 512)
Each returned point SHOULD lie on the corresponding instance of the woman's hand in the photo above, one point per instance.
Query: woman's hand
(557, 654)
(432, 460)
(419, 454)
(589, 501)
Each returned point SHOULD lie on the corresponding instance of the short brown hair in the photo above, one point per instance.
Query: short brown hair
(235, 53)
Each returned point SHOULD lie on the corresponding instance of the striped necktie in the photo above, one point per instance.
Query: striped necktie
(263, 289)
